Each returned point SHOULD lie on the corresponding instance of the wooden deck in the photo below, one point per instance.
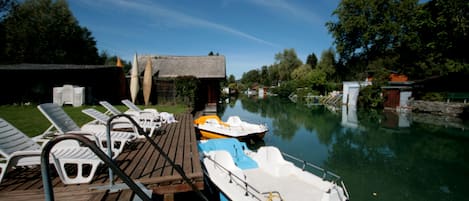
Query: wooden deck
(140, 161)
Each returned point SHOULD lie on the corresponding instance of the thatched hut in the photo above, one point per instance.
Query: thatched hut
(209, 70)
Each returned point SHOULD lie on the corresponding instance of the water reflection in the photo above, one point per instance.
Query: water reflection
(381, 156)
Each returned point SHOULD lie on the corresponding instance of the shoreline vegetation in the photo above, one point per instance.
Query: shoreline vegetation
(29, 119)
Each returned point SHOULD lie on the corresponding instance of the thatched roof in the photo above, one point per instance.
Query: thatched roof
(174, 66)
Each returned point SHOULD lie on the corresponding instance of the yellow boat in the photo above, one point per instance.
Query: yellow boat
(211, 127)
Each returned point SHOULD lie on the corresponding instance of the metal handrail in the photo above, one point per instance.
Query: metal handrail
(325, 173)
(45, 171)
(177, 167)
(246, 185)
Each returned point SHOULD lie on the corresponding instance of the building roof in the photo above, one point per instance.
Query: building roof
(51, 67)
(175, 66)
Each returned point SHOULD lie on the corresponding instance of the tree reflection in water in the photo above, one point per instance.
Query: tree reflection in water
(376, 160)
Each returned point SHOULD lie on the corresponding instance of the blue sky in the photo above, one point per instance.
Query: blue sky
(247, 32)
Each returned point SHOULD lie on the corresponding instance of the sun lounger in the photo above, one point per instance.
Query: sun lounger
(122, 122)
(18, 150)
(148, 113)
(63, 124)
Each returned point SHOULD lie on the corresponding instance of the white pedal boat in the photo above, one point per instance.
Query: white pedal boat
(242, 174)
(211, 127)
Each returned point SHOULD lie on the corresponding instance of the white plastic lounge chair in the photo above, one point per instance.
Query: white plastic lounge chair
(149, 119)
(148, 113)
(121, 122)
(63, 124)
(18, 150)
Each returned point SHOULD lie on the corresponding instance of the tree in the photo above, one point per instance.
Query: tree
(312, 60)
(368, 30)
(327, 64)
(287, 61)
(106, 59)
(251, 77)
(45, 31)
(265, 77)
(300, 74)
(231, 79)
(442, 28)
(6, 6)
(417, 39)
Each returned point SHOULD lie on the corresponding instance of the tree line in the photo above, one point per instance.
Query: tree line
(374, 38)
(288, 73)
(46, 32)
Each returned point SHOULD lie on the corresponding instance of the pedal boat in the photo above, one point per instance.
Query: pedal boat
(211, 127)
(244, 175)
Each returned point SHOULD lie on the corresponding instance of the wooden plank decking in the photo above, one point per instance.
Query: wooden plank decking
(140, 161)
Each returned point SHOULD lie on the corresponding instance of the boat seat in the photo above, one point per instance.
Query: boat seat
(271, 158)
(234, 147)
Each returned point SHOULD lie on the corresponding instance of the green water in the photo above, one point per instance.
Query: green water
(380, 157)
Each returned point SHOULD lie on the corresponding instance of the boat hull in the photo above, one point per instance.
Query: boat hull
(206, 134)
(211, 127)
(242, 174)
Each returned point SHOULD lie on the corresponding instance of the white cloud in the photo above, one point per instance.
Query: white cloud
(282, 6)
(155, 11)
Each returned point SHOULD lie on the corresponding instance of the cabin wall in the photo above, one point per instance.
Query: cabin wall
(22, 86)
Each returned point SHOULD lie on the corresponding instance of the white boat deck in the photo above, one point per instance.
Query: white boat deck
(290, 187)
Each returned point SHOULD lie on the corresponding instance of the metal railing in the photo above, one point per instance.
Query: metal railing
(249, 189)
(107, 159)
(326, 175)
(45, 171)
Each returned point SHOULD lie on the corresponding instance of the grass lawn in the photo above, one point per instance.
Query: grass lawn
(30, 120)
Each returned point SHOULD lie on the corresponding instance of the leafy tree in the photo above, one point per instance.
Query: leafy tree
(274, 74)
(6, 6)
(312, 60)
(250, 78)
(45, 31)
(368, 30)
(442, 28)
(265, 77)
(287, 61)
(300, 75)
(106, 59)
(327, 63)
(318, 79)
(416, 38)
(231, 79)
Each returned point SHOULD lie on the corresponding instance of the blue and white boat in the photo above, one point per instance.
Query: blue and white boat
(242, 174)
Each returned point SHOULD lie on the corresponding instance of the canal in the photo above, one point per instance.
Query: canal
(380, 156)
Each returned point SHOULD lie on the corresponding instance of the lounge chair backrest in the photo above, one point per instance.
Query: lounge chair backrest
(131, 105)
(12, 140)
(110, 107)
(57, 116)
(99, 116)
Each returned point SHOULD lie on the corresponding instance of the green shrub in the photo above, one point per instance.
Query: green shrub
(434, 96)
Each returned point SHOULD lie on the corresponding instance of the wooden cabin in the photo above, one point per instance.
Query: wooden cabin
(22, 83)
(209, 70)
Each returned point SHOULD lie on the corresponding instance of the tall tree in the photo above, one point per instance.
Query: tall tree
(265, 77)
(287, 61)
(416, 38)
(327, 64)
(251, 77)
(312, 60)
(45, 31)
(368, 30)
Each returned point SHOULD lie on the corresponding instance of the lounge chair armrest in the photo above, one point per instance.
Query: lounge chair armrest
(27, 153)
